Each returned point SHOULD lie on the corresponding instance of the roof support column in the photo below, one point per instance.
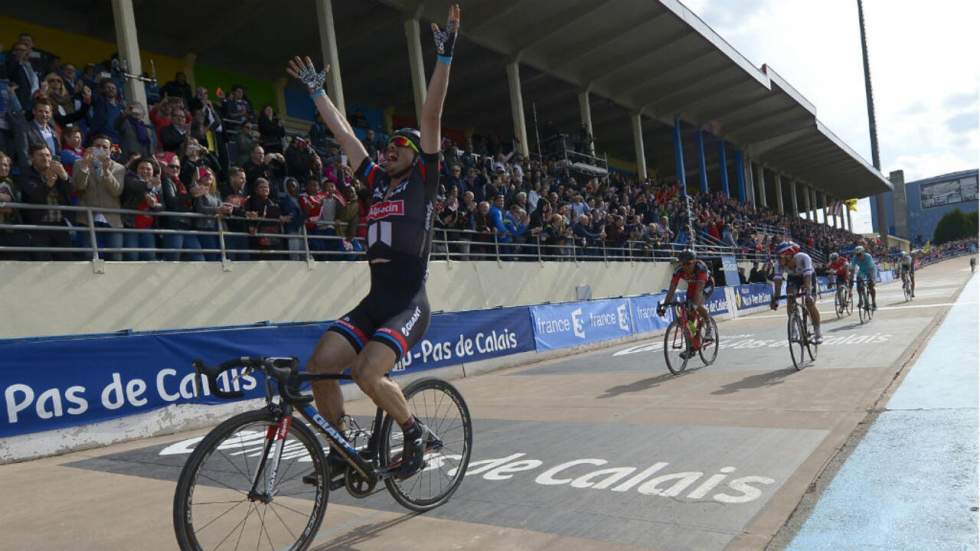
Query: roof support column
(850, 224)
(794, 205)
(760, 181)
(416, 64)
(129, 50)
(813, 204)
(517, 107)
(679, 156)
(636, 121)
(882, 217)
(750, 178)
(823, 205)
(806, 202)
(702, 165)
(740, 175)
(328, 46)
(723, 167)
(833, 213)
(585, 109)
(780, 208)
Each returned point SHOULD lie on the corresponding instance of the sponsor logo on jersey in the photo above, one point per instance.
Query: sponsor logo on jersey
(407, 328)
(384, 209)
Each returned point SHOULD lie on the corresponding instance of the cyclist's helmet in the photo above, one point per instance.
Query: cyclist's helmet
(859, 250)
(686, 256)
(407, 137)
(834, 256)
(787, 248)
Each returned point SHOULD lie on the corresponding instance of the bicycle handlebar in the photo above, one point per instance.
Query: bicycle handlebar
(283, 369)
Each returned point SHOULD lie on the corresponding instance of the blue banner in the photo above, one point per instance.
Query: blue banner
(643, 310)
(50, 383)
(458, 337)
(753, 295)
(716, 303)
(578, 323)
(730, 267)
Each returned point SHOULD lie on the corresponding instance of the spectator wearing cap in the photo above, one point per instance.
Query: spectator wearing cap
(142, 190)
(98, 180)
(45, 182)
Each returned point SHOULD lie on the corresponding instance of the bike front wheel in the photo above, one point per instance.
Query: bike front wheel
(215, 506)
(709, 348)
(440, 407)
(676, 347)
(797, 341)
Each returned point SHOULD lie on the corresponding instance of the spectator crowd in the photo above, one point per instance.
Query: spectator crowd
(208, 160)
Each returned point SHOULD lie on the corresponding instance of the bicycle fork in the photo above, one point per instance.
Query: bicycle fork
(275, 439)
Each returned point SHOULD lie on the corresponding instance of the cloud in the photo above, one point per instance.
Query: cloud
(960, 101)
(962, 123)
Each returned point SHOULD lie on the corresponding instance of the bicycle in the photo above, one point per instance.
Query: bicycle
(843, 301)
(687, 336)
(211, 495)
(865, 312)
(906, 286)
(798, 331)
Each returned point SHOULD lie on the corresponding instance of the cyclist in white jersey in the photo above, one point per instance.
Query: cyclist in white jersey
(907, 266)
(796, 267)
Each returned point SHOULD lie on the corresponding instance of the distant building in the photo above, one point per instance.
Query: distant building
(919, 205)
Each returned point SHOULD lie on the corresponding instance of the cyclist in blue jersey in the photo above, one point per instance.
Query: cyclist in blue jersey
(864, 269)
(395, 313)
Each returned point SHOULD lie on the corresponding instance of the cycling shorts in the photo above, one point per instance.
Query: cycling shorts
(388, 314)
(841, 280)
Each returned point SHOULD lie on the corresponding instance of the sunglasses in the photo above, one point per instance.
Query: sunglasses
(174, 166)
(402, 141)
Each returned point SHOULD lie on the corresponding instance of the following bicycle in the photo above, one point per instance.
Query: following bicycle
(799, 330)
(686, 336)
(245, 483)
(865, 307)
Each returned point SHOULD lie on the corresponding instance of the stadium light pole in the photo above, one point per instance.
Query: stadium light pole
(872, 126)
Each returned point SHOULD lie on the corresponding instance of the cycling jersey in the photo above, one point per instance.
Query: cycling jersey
(865, 267)
(396, 310)
(700, 273)
(906, 265)
(802, 266)
(839, 267)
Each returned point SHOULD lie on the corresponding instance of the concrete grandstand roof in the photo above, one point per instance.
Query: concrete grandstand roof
(650, 56)
(658, 58)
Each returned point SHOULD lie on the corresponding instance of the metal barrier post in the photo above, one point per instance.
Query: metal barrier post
(225, 263)
(306, 246)
(98, 265)
(604, 259)
(541, 260)
(496, 246)
(574, 252)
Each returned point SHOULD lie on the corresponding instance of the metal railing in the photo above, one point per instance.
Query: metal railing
(89, 241)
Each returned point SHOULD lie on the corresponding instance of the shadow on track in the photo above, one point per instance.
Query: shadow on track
(639, 386)
(767, 379)
(351, 540)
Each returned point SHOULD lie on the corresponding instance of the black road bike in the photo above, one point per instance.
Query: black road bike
(843, 300)
(247, 482)
(865, 311)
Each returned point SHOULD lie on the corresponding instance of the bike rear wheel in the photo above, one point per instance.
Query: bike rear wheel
(906, 289)
(212, 506)
(840, 302)
(709, 348)
(796, 336)
(675, 344)
(439, 406)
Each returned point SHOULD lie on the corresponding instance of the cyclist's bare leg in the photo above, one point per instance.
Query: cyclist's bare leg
(705, 316)
(332, 355)
(369, 373)
(811, 306)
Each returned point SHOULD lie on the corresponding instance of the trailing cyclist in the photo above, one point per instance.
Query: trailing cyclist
(395, 313)
(906, 268)
(798, 267)
(841, 268)
(864, 269)
(700, 284)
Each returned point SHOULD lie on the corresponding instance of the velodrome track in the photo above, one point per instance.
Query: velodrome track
(717, 458)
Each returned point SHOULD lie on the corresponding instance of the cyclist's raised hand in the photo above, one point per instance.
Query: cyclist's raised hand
(304, 71)
(445, 39)
(661, 310)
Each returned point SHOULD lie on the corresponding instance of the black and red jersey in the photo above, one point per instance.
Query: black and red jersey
(700, 273)
(400, 218)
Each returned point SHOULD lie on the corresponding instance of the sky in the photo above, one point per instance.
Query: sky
(924, 73)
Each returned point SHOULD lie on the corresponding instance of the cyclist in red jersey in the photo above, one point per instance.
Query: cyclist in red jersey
(700, 284)
(395, 313)
(840, 267)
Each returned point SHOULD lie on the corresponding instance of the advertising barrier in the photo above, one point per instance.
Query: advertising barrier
(52, 383)
(644, 313)
(752, 295)
(578, 323)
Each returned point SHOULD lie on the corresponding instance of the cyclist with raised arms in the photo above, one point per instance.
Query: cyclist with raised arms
(699, 285)
(864, 269)
(799, 275)
(395, 313)
(907, 266)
